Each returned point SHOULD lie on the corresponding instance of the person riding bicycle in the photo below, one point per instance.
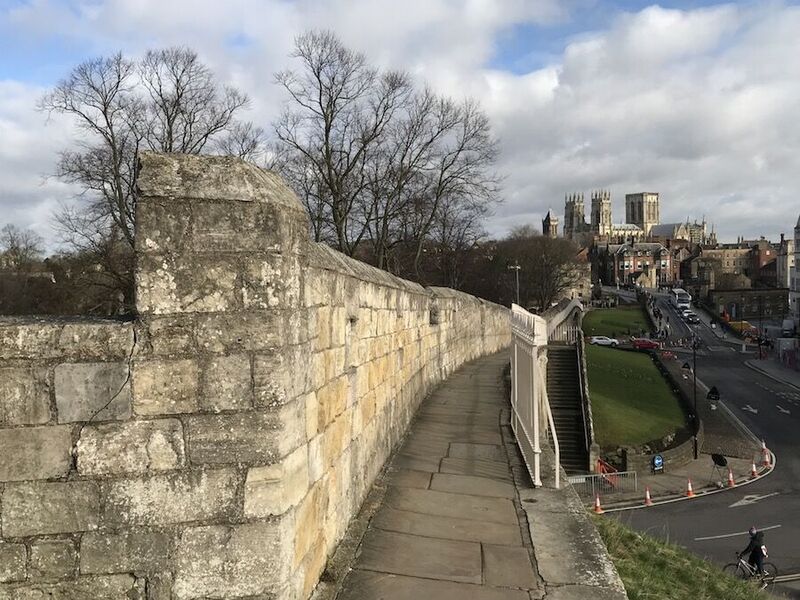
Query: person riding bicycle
(756, 549)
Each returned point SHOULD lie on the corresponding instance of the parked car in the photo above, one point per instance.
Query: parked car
(601, 340)
(645, 344)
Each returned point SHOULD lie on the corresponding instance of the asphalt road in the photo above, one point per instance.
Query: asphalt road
(715, 527)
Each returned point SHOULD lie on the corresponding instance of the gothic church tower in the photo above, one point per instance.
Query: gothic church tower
(643, 210)
(601, 213)
(574, 217)
(550, 225)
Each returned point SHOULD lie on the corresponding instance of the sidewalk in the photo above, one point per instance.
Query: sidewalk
(451, 523)
(672, 483)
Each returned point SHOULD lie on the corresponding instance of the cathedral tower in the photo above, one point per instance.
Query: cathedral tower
(642, 209)
(601, 213)
(574, 217)
(550, 225)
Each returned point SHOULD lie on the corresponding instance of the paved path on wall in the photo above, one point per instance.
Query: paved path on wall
(449, 526)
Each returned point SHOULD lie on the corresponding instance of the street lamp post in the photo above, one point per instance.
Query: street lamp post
(760, 324)
(515, 267)
(695, 417)
(694, 373)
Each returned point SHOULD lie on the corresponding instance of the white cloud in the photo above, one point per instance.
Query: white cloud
(699, 105)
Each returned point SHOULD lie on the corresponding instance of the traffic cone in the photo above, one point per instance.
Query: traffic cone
(731, 482)
(753, 470)
(765, 453)
(598, 510)
(647, 500)
(689, 490)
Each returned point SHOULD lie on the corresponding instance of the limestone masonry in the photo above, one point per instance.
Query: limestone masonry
(218, 445)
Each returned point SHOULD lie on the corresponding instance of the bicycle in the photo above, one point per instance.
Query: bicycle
(744, 570)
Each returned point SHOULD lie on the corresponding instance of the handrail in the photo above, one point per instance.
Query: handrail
(556, 448)
(587, 424)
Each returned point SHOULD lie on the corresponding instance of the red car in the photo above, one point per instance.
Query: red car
(645, 344)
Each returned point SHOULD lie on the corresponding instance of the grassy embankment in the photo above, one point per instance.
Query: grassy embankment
(620, 322)
(652, 569)
(632, 404)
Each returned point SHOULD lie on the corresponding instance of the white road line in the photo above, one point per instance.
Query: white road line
(728, 535)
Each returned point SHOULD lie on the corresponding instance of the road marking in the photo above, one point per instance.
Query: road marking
(750, 409)
(752, 499)
(783, 410)
(728, 535)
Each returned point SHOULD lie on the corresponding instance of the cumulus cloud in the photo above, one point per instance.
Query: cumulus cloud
(695, 104)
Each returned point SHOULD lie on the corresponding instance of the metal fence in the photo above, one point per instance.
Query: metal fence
(529, 403)
(604, 484)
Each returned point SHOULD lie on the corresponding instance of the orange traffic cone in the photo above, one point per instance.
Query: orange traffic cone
(597, 508)
(731, 482)
(647, 500)
(753, 470)
(765, 453)
(689, 490)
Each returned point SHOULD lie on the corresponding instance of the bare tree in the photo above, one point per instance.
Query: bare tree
(19, 248)
(340, 107)
(549, 265)
(462, 169)
(168, 101)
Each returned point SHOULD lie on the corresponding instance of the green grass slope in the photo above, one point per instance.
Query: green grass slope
(654, 570)
(632, 404)
(616, 321)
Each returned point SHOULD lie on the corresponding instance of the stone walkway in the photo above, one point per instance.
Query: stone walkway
(450, 525)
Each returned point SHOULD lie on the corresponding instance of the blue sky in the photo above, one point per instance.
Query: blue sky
(694, 99)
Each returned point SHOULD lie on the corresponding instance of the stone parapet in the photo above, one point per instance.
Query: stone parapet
(218, 445)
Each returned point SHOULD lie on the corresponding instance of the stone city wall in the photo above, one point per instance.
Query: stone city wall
(218, 445)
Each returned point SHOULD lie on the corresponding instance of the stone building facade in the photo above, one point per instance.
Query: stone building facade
(218, 445)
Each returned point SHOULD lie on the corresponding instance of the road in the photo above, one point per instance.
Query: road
(715, 527)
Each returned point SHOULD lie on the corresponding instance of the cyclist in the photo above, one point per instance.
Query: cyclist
(756, 549)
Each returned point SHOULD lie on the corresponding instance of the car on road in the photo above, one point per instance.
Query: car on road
(645, 344)
(692, 318)
(601, 340)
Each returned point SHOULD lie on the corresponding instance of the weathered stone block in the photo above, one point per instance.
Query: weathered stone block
(272, 490)
(12, 563)
(34, 453)
(24, 396)
(174, 498)
(248, 438)
(240, 332)
(231, 562)
(170, 335)
(46, 508)
(92, 391)
(113, 587)
(132, 447)
(96, 339)
(227, 383)
(308, 521)
(280, 376)
(125, 552)
(188, 283)
(270, 281)
(52, 559)
(165, 387)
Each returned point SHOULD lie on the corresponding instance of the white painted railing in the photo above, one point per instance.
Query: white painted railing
(529, 403)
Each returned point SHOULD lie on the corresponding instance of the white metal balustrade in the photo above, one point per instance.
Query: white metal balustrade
(529, 401)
